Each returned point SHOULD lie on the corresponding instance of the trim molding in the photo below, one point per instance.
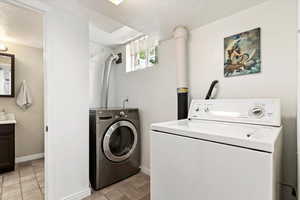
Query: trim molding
(79, 195)
(29, 157)
(145, 170)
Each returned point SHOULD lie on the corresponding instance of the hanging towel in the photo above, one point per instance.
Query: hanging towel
(24, 100)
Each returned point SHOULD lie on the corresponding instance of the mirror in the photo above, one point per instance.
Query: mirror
(7, 68)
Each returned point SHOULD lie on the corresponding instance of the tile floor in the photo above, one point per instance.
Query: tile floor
(134, 188)
(27, 183)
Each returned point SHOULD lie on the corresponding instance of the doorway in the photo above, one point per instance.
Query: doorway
(21, 36)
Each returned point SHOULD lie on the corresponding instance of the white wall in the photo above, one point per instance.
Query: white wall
(67, 92)
(153, 90)
(98, 55)
(29, 136)
(278, 78)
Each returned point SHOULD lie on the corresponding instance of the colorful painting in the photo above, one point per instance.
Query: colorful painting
(242, 53)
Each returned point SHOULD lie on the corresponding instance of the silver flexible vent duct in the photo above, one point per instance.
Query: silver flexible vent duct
(106, 78)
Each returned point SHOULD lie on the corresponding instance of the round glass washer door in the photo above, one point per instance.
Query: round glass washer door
(120, 141)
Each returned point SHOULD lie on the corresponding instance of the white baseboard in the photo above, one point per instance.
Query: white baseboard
(145, 170)
(29, 157)
(79, 195)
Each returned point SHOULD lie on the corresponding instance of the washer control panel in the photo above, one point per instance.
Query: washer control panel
(253, 111)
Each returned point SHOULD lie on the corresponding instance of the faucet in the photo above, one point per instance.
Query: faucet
(124, 102)
(3, 115)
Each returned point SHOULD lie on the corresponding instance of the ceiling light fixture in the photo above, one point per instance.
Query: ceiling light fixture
(116, 2)
(3, 47)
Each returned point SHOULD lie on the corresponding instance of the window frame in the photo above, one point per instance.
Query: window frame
(133, 59)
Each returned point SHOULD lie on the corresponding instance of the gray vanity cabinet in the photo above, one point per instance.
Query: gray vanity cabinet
(7, 147)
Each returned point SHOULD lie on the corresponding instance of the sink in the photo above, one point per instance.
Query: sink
(3, 117)
(7, 118)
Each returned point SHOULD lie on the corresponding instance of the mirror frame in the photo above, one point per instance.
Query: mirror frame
(12, 57)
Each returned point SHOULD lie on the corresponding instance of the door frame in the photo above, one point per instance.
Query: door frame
(42, 8)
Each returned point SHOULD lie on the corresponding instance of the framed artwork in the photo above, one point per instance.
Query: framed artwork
(242, 53)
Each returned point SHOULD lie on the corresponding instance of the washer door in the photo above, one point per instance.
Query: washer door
(120, 141)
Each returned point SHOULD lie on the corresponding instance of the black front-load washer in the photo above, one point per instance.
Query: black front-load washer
(114, 145)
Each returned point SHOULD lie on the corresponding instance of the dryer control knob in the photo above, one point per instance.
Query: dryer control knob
(257, 111)
(206, 109)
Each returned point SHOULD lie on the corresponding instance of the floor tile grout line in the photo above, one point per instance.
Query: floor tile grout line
(125, 195)
(2, 177)
(19, 173)
(35, 175)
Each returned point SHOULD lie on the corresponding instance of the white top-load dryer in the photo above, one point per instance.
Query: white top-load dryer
(226, 150)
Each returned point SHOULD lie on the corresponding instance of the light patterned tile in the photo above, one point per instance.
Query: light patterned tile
(120, 185)
(25, 167)
(27, 178)
(11, 174)
(15, 197)
(24, 164)
(145, 189)
(11, 182)
(136, 187)
(26, 172)
(43, 190)
(115, 195)
(107, 189)
(147, 197)
(23, 181)
(41, 184)
(30, 185)
(97, 196)
(12, 191)
(40, 175)
(139, 180)
(131, 192)
(38, 170)
(33, 195)
(1, 180)
(37, 162)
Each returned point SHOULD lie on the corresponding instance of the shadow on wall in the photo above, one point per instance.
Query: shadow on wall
(289, 149)
(98, 55)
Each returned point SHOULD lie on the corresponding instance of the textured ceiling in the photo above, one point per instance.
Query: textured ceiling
(111, 25)
(159, 17)
(20, 25)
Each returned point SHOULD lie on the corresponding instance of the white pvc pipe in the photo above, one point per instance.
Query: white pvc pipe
(181, 36)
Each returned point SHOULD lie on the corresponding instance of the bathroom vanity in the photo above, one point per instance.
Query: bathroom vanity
(7, 144)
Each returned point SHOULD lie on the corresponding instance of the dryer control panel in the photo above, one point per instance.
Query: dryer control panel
(252, 111)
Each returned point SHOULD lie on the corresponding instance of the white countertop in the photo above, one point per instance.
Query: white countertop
(10, 119)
